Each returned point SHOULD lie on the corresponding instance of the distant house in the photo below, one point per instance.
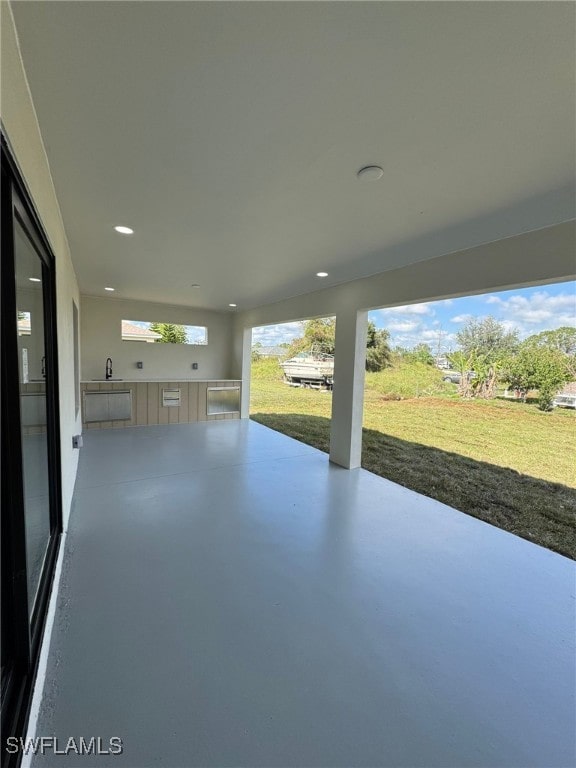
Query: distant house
(270, 351)
(442, 362)
(131, 332)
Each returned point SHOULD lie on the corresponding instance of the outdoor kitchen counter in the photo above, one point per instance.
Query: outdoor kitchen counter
(114, 380)
(151, 404)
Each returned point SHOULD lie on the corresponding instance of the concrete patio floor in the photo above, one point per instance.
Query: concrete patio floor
(229, 598)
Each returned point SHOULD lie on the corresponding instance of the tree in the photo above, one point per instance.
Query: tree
(562, 339)
(319, 335)
(487, 337)
(538, 367)
(256, 351)
(485, 344)
(377, 348)
(462, 363)
(421, 353)
(170, 333)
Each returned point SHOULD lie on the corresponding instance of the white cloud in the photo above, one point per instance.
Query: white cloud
(461, 319)
(509, 325)
(539, 311)
(444, 342)
(409, 309)
(405, 326)
(271, 335)
(431, 335)
(404, 323)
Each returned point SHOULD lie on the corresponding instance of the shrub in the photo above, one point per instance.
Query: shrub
(537, 367)
(546, 398)
(266, 369)
(405, 380)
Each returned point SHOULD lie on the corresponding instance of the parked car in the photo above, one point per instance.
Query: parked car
(456, 377)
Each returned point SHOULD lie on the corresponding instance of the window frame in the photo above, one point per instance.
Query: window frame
(167, 322)
(24, 633)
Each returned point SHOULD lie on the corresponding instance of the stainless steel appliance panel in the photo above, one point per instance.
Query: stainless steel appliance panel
(222, 400)
(107, 406)
(95, 406)
(120, 405)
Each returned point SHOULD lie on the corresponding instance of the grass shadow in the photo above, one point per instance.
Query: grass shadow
(537, 510)
(518, 400)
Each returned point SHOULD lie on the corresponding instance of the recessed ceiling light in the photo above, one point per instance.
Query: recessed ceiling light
(370, 173)
(109, 289)
(231, 305)
(321, 274)
(34, 279)
(124, 230)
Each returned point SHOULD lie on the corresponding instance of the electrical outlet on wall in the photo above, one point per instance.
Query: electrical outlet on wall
(194, 366)
(140, 365)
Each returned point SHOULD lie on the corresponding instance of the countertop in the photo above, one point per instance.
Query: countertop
(165, 379)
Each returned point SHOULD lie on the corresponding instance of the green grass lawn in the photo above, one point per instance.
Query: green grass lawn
(502, 461)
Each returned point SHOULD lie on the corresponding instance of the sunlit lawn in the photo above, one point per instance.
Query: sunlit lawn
(503, 461)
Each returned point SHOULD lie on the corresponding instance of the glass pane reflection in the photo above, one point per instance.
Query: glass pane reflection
(32, 374)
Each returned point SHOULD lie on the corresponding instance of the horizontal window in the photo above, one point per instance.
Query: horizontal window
(163, 333)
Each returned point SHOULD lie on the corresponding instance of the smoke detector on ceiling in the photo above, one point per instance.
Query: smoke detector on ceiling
(370, 173)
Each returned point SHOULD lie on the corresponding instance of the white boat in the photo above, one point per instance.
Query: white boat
(310, 369)
(566, 398)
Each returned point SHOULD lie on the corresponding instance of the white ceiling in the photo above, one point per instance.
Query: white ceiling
(228, 135)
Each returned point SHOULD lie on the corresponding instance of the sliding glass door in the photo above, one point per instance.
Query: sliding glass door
(30, 309)
(31, 506)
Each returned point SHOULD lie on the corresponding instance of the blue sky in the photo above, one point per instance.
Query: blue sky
(527, 310)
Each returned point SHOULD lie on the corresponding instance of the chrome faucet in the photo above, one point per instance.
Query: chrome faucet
(109, 368)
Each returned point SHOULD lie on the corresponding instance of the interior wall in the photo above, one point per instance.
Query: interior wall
(21, 127)
(101, 338)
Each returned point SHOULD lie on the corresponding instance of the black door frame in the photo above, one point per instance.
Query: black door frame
(22, 633)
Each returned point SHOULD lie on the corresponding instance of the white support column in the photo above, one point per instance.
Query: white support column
(245, 354)
(348, 396)
(241, 358)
